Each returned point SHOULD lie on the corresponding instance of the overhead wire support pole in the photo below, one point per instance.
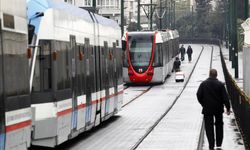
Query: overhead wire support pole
(122, 17)
(166, 16)
(174, 14)
(226, 23)
(138, 16)
(192, 21)
(246, 9)
(169, 14)
(235, 40)
(94, 5)
(151, 15)
(160, 14)
(230, 29)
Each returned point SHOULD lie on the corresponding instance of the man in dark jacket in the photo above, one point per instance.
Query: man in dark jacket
(182, 51)
(177, 64)
(212, 96)
(189, 53)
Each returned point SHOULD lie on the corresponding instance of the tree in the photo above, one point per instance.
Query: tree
(203, 8)
(218, 20)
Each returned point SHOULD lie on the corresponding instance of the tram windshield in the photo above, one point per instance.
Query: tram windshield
(140, 47)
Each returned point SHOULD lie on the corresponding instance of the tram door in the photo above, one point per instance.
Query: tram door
(106, 78)
(115, 75)
(2, 118)
(74, 81)
(89, 81)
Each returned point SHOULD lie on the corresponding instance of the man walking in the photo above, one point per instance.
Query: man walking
(182, 51)
(189, 53)
(212, 96)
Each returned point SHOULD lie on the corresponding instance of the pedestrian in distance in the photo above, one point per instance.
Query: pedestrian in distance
(189, 53)
(177, 64)
(213, 96)
(182, 51)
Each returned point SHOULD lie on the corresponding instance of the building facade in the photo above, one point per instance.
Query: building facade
(109, 8)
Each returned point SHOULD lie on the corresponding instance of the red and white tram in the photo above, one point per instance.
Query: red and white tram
(149, 55)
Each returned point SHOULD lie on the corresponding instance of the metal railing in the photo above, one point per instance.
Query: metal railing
(200, 41)
(240, 104)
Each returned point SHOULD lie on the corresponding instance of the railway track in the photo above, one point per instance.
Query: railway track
(136, 96)
(171, 106)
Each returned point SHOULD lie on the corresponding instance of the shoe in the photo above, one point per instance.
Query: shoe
(211, 148)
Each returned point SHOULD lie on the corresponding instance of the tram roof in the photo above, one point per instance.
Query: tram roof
(37, 6)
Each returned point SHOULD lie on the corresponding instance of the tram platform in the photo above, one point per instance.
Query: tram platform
(182, 128)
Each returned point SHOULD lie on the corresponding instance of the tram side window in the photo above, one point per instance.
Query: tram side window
(1, 76)
(174, 49)
(125, 60)
(42, 76)
(158, 55)
(15, 64)
(167, 51)
(63, 66)
(1, 93)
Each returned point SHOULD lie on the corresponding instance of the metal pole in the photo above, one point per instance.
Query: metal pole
(192, 21)
(227, 25)
(166, 16)
(138, 16)
(122, 17)
(230, 29)
(94, 5)
(169, 15)
(235, 40)
(246, 9)
(160, 19)
(174, 15)
(151, 14)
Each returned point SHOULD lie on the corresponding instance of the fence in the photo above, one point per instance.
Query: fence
(240, 104)
(200, 41)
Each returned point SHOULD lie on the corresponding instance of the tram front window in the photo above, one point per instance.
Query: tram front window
(140, 48)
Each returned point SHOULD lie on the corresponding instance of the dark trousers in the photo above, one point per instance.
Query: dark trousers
(209, 127)
(189, 57)
(182, 56)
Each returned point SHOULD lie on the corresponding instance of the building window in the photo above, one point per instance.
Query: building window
(87, 2)
(112, 3)
(68, 1)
